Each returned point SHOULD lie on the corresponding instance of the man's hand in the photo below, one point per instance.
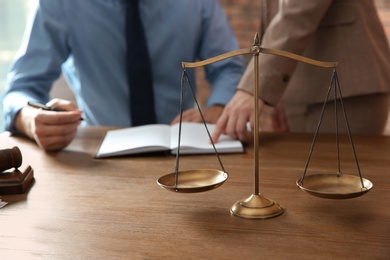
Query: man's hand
(51, 130)
(235, 116)
(210, 115)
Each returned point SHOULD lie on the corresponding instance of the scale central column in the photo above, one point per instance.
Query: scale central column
(256, 206)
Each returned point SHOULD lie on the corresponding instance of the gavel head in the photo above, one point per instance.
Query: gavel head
(10, 158)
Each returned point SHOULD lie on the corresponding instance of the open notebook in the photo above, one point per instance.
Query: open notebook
(160, 137)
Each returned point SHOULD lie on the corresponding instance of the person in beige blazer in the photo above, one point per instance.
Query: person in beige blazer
(346, 31)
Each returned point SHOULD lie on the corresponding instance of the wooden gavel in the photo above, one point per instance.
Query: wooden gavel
(10, 158)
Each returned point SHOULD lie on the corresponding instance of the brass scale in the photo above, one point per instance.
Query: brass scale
(331, 186)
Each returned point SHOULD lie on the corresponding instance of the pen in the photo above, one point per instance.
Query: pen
(44, 107)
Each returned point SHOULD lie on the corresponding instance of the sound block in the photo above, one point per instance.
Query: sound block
(16, 182)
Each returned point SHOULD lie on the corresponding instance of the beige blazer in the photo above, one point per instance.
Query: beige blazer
(347, 31)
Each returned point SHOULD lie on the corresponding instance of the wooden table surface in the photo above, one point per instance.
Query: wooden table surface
(85, 208)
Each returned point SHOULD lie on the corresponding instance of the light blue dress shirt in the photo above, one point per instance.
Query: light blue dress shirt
(85, 39)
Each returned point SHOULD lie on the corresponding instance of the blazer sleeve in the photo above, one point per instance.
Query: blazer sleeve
(290, 30)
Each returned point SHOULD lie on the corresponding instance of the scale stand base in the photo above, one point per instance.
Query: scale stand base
(256, 207)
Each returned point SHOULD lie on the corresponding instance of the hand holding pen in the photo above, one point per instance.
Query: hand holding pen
(52, 126)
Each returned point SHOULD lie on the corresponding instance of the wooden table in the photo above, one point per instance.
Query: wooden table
(83, 208)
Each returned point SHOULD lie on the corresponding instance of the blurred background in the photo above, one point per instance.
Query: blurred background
(13, 18)
(242, 14)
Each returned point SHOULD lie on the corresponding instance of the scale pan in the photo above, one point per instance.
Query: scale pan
(192, 181)
(332, 186)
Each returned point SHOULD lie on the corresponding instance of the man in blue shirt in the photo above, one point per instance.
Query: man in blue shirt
(86, 41)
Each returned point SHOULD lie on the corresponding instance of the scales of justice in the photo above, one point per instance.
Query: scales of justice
(256, 206)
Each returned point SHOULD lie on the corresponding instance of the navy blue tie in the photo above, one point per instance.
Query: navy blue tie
(139, 70)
